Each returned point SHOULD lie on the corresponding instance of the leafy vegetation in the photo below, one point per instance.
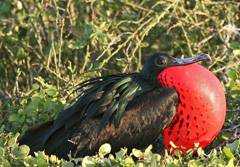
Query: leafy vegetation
(47, 47)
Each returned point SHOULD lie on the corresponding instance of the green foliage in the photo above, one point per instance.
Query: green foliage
(14, 155)
(40, 104)
(47, 47)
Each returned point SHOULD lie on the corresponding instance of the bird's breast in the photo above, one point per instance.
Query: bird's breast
(202, 106)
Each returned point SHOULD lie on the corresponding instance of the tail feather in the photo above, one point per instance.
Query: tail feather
(57, 144)
(34, 138)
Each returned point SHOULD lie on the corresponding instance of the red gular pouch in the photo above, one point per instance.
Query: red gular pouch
(201, 110)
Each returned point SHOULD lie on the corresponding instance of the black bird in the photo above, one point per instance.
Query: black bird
(125, 110)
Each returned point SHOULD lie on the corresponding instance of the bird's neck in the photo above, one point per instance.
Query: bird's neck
(150, 77)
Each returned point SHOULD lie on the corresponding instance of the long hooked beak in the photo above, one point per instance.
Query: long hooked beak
(191, 60)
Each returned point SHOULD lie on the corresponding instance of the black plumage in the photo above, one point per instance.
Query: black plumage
(125, 110)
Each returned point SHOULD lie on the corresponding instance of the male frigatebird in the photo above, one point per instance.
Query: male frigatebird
(173, 96)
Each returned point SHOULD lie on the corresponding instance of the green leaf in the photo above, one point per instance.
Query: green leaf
(230, 163)
(5, 163)
(233, 74)
(85, 37)
(24, 150)
(193, 163)
(137, 153)
(35, 86)
(236, 52)
(21, 54)
(121, 154)
(67, 164)
(87, 162)
(13, 140)
(148, 150)
(54, 159)
(13, 117)
(52, 91)
(5, 7)
(129, 161)
(228, 153)
(235, 146)
(21, 152)
(19, 5)
(2, 152)
(41, 159)
(104, 149)
(235, 45)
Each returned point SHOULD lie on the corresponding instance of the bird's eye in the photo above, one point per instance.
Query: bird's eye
(161, 61)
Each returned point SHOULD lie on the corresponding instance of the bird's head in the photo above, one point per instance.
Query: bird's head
(160, 61)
